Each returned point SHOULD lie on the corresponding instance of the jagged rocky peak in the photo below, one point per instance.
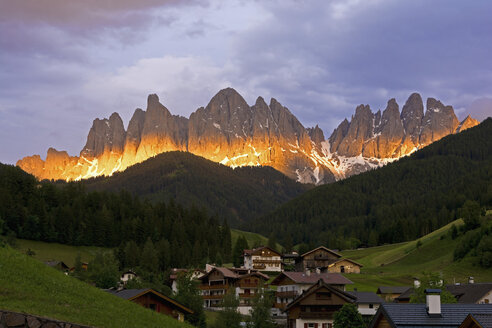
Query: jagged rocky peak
(105, 135)
(467, 123)
(360, 130)
(338, 134)
(411, 116)
(438, 121)
(135, 127)
(316, 134)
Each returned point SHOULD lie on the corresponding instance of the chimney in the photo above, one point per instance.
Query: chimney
(416, 282)
(308, 272)
(318, 271)
(471, 280)
(433, 302)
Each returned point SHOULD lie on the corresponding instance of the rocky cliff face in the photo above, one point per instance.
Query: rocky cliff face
(233, 133)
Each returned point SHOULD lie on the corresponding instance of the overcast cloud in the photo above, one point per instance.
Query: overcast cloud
(64, 63)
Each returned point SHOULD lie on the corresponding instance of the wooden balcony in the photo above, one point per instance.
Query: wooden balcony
(244, 295)
(208, 287)
(280, 306)
(243, 284)
(212, 297)
(316, 315)
(286, 294)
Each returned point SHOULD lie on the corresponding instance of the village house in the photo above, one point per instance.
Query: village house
(316, 307)
(471, 293)
(175, 272)
(155, 301)
(263, 259)
(243, 282)
(367, 302)
(344, 266)
(428, 315)
(127, 276)
(390, 293)
(292, 284)
(318, 258)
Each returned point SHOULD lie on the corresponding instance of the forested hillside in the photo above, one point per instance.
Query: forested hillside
(69, 215)
(239, 194)
(399, 202)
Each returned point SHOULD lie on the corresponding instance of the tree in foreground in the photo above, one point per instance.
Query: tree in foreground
(189, 295)
(103, 270)
(348, 317)
(260, 310)
(229, 317)
(434, 281)
(237, 253)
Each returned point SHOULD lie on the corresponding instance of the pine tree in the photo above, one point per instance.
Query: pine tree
(132, 254)
(149, 260)
(189, 295)
(348, 317)
(229, 317)
(272, 241)
(260, 310)
(237, 254)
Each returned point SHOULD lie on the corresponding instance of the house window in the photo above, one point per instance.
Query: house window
(152, 307)
(371, 306)
(327, 325)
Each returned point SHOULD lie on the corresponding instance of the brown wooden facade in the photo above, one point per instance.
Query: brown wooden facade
(317, 306)
(320, 257)
(244, 283)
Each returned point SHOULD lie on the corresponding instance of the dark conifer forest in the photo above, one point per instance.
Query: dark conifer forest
(399, 202)
(238, 195)
(68, 214)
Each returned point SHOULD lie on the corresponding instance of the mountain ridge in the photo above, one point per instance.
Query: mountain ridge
(231, 132)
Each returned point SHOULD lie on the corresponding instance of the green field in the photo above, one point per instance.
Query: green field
(254, 239)
(58, 252)
(27, 285)
(397, 264)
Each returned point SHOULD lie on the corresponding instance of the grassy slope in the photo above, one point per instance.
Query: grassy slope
(27, 285)
(54, 251)
(252, 238)
(397, 264)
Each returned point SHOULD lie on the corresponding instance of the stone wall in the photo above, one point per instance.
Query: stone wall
(10, 319)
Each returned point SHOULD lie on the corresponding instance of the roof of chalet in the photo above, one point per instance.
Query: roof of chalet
(392, 289)
(366, 297)
(251, 251)
(464, 293)
(320, 284)
(405, 296)
(130, 294)
(482, 320)
(324, 248)
(312, 278)
(409, 315)
(469, 293)
(349, 260)
(236, 273)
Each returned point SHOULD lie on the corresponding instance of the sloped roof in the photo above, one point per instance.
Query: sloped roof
(392, 289)
(324, 248)
(485, 320)
(130, 294)
(318, 285)
(408, 315)
(469, 293)
(236, 273)
(312, 278)
(254, 250)
(366, 297)
(348, 260)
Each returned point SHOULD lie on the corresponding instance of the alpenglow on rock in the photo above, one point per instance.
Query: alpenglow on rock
(231, 132)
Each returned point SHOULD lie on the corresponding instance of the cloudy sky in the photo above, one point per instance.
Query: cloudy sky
(65, 62)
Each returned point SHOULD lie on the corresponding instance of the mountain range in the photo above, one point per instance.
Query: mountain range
(231, 132)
